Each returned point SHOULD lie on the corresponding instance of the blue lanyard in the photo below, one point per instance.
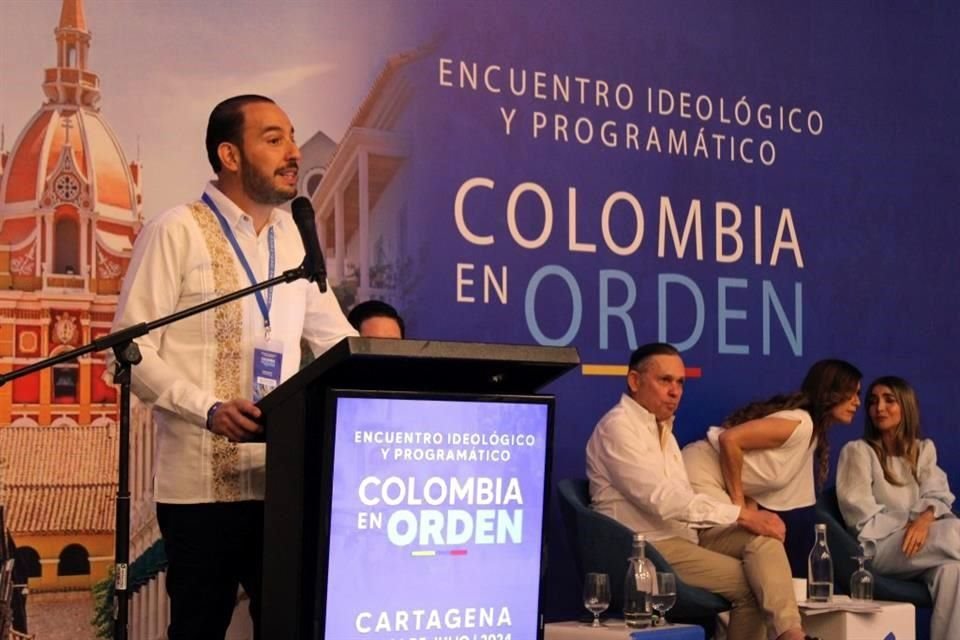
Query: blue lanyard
(271, 243)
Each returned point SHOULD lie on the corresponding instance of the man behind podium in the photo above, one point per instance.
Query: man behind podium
(377, 319)
(637, 477)
(203, 374)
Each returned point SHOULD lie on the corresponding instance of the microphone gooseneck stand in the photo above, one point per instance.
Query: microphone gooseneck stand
(128, 354)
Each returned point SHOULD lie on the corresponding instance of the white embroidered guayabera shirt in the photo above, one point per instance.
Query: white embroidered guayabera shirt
(180, 259)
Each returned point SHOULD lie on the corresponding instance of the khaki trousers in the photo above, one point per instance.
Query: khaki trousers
(750, 571)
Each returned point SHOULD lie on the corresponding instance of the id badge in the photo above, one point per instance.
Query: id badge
(267, 364)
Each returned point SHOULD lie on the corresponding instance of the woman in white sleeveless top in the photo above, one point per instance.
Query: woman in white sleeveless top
(897, 500)
(763, 454)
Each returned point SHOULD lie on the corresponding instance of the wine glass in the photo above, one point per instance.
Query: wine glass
(596, 595)
(665, 595)
(861, 580)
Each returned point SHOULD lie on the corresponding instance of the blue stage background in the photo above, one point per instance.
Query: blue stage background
(870, 182)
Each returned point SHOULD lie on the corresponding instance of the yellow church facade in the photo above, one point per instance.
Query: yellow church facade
(70, 208)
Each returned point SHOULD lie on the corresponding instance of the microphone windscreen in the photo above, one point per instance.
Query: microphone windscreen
(303, 217)
(302, 208)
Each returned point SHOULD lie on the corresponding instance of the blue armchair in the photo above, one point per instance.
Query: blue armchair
(602, 545)
(843, 546)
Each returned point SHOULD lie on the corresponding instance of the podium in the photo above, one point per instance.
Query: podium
(406, 491)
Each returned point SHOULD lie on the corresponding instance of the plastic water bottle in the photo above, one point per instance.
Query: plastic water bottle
(639, 583)
(820, 568)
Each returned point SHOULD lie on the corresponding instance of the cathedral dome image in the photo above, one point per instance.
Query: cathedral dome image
(70, 201)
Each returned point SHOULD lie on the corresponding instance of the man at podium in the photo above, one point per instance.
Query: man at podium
(203, 374)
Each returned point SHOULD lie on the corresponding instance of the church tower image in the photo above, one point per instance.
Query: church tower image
(70, 208)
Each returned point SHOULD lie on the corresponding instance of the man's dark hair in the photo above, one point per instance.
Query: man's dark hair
(648, 351)
(375, 309)
(226, 125)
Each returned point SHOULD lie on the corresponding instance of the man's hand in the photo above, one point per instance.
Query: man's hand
(236, 420)
(916, 534)
(762, 523)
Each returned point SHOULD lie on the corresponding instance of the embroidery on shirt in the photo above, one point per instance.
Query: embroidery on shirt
(228, 325)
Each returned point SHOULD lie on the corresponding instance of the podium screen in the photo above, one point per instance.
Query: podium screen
(436, 518)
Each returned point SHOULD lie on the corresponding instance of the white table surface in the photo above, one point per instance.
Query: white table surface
(612, 629)
(893, 617)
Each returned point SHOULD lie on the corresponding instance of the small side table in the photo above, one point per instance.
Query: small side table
(617, 630)
(895, 619)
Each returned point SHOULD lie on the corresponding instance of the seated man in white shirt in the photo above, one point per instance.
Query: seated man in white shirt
(637, 477)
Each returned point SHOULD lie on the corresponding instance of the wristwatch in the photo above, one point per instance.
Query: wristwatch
(212, 410)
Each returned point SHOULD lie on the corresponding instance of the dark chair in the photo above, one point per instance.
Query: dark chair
(603, 545)
(843, 546)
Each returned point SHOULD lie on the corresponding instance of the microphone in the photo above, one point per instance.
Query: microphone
(314, 267)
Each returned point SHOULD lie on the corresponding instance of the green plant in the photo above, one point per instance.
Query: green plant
(103, 606)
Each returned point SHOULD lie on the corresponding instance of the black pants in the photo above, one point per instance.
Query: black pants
(211, 548)
(800, 537)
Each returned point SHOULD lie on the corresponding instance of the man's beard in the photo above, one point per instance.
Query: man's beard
(260, 187)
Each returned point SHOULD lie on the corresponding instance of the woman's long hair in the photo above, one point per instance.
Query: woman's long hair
(827, 384)
(906, 441)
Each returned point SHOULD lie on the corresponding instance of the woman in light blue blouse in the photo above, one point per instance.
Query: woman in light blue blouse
(896, 498)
